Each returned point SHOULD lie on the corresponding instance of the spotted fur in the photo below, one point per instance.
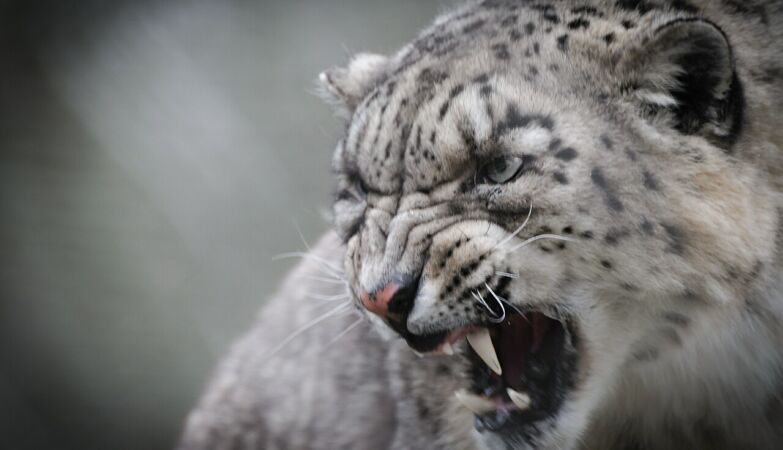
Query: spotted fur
(649, 137)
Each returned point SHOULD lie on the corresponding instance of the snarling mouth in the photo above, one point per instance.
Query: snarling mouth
(521, 369)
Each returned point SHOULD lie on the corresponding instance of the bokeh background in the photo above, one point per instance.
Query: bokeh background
(154, 157)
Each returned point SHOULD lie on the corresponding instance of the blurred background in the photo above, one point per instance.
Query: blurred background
(154, 157)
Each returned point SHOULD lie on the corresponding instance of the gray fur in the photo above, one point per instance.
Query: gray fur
(673, 268)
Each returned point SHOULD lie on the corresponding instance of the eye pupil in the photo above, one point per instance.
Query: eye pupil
(500, 165)
(502, 169)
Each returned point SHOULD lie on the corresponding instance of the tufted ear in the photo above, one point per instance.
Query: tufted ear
(347, 86)
(686, 69)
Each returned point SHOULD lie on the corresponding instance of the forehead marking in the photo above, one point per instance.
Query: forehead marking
(610, 195)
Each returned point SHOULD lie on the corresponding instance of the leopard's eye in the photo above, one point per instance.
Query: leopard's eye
(501, 170)
(355, 190)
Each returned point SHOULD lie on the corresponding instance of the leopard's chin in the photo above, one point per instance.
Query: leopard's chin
(521, 369)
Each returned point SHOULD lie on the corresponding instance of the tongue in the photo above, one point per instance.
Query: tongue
(513, 341)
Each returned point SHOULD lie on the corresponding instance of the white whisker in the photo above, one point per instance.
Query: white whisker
(538, 238)
(507, 275)
(503, 300)
(331, 313)
(477, 295)
(327, 298)
(323, 263)
(516, 232)
(345, 331)
(325, 279)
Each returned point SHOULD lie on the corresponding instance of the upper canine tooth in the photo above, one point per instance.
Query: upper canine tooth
(482, 344)
(520, 399)
(447, 349)
(476, 404)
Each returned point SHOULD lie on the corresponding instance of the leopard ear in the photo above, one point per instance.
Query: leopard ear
(347, 86)
(686, 69)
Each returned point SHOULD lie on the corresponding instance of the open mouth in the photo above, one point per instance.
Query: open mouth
(521, 369)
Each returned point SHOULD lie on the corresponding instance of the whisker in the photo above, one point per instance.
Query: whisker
(501, 299)
(328, 298)
(301, 236)
(324, 264)
(516, 232)
(538, 238)
(507, 275)
(331, 313)
(325, 280)
(477, 295)
(345, 331)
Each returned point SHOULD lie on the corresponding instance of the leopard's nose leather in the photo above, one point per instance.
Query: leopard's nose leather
(394, 301)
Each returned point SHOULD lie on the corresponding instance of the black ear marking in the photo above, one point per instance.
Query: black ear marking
(687, 69)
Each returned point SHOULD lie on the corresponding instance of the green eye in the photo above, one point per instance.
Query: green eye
(501, 170)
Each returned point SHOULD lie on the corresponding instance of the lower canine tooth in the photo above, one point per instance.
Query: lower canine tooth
(520, 399)
(475, 403)
(447, 349)
(482, 345)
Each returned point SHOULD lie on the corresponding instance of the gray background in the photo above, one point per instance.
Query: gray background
(154, 157)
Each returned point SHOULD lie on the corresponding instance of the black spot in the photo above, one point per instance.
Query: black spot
(746, 8)
(586, 234)
(560, 177)
(627, 24)
(647, 354)
(684, 5)
(676, 318)
(610, 196)
(677, 238)
(606, 264)
(501, 51)
(515, 35)
(554, 68)
(614, 235)
(485, 90)
(579, 23)
(550, 16)
(433, 135)
(455, 91)
(515, 120)
(509, 21)
(483, 78)
(609, 38)
(473, 26)
(562, 43)
(532, 70)
(554, 144)
(650, 182)
(642, 6)
(536, 48)
(530, 27)
(631, 154)
(607, 142)
(647, 227)
(566, 154)
(587, 11)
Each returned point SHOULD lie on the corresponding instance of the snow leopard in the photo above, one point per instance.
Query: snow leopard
(556, 225)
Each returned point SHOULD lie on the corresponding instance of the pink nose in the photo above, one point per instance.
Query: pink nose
(378, 302)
